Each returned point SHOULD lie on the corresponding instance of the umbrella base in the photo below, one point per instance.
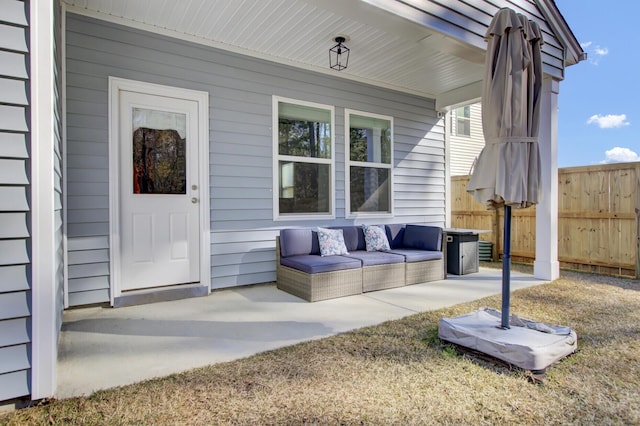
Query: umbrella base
(527, 344)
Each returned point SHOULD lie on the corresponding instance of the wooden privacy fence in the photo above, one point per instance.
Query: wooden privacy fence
(598, 210)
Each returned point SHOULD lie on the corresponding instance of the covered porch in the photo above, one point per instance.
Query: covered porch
(233, 67)
(102, 347)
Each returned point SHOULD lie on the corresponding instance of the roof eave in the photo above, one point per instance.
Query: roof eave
(573, 52)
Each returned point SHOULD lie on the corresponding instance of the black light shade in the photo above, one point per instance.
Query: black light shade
(339, 55)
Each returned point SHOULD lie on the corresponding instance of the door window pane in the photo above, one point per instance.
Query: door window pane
(159, 152)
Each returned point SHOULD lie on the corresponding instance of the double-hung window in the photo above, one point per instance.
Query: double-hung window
(369, 160)
(303, 160)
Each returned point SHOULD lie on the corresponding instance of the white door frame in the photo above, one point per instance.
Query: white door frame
(116, 85)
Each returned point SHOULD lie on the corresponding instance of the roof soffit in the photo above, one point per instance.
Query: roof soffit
(401, 45)
(387, 50)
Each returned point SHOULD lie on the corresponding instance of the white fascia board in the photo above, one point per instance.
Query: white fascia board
(465, 95)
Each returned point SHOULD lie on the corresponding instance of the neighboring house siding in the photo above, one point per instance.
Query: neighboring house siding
(15, 286)
(465, 150)
(241, 89)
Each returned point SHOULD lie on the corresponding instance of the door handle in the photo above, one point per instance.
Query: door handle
(194, 200)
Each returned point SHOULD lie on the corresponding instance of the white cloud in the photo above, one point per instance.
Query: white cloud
(594, 52)
(601, 51)
(620, 155)
(609, 121)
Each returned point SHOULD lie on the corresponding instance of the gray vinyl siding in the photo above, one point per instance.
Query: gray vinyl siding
(241, 89)
(15, 285)
(469, 19)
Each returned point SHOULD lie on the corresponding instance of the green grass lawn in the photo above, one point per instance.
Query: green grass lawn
(400, 373)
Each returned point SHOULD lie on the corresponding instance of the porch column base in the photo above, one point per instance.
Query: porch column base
(546, 265)
(546, 270)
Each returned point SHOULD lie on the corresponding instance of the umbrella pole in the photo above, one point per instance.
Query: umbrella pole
(506, 267)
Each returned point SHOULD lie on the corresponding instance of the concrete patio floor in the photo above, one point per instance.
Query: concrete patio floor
(105, 347)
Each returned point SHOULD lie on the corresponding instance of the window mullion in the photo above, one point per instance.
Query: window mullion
(314, 160)
(367, 164)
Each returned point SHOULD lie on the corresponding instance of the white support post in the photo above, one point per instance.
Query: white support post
(546, 265)
(43, 285)
(448, 202)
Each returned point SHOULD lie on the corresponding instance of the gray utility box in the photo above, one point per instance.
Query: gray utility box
(462, 253)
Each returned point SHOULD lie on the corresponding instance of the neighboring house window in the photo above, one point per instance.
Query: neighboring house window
(303, 160)
(462, 117)
(369, 159)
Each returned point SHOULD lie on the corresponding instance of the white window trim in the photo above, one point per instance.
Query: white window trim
(348, 163)
(277, 157)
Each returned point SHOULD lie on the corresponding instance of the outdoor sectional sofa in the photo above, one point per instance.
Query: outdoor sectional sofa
(415, 254)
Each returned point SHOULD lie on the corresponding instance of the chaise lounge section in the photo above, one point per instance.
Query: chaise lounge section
(412, 254)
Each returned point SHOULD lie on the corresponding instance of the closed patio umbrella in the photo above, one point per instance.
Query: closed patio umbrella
(507, 173)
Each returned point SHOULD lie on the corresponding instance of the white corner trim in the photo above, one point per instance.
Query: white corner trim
(114, 203)
(447, 168)
(116, 85)
(63, 70)
(43, 283)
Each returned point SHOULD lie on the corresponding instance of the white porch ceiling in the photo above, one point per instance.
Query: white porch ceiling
(386, 50)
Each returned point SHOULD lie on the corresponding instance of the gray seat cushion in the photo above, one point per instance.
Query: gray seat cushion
(371, 258)
(395, 235)
(353, 237)
(422, 237)
(294, 242)
(314, 264)
(412, 255)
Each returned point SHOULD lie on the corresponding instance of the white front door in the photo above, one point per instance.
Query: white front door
(159, 212)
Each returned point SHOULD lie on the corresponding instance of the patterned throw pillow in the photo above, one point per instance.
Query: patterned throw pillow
(331, 242)
(375, 238)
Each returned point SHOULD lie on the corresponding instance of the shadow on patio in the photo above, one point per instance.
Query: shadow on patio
(103, 347)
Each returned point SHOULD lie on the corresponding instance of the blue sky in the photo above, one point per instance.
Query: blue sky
(599, 109)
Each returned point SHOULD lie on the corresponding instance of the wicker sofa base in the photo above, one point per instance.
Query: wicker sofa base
(422, 272)
(322, 286)
(349, 282)
(381, 277)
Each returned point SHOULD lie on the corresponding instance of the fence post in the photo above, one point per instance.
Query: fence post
(637, 210)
